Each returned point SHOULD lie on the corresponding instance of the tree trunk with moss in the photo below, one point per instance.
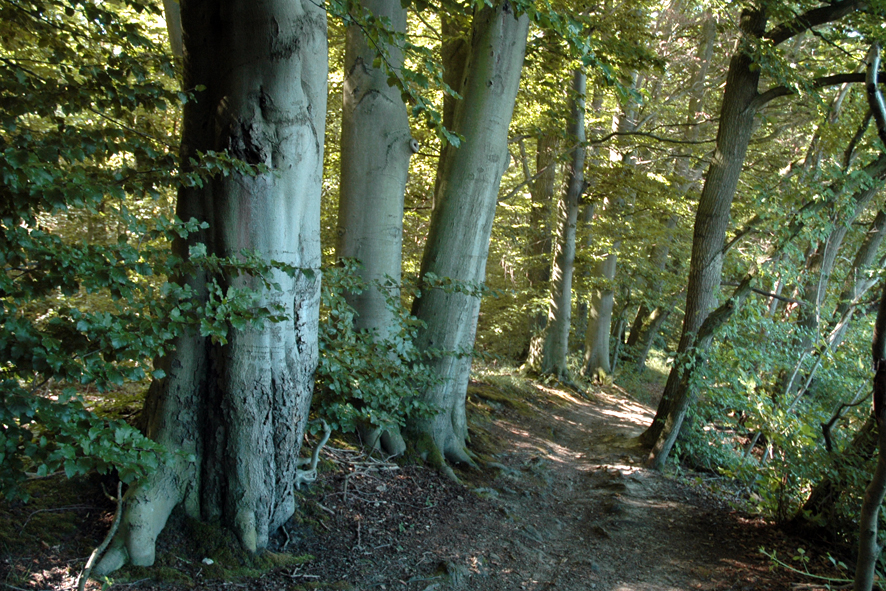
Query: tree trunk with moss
(375, 149)
(461, 225)
(236, 413)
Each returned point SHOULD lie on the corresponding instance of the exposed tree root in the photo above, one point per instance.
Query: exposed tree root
(84, 576)
(310, 475)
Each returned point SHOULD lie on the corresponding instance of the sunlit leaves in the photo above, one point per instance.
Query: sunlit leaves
(90, 292)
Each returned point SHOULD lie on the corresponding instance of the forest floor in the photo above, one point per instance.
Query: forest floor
(561, 502)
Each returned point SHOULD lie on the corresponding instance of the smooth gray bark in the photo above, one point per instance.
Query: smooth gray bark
(461, 223)
(596, 360)
(556, 333)
(172, 13)
(602, 301)
(238, 412)
(375, 149)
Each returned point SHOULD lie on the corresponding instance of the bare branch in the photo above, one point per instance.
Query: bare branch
(812, 18)
(832, 80)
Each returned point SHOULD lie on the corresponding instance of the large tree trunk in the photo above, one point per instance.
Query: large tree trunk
(237, 412)
(556, 339)
(712, 218)
(375, 149)
(461, 224)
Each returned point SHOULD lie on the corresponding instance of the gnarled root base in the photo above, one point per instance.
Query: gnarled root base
(148, 506)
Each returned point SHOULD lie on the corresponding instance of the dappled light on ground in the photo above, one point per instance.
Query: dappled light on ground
(560, 500)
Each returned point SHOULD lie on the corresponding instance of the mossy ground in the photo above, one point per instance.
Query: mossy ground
(190, 551)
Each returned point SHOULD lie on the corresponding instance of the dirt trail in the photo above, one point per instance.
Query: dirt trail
(561, 503)
(566, 506)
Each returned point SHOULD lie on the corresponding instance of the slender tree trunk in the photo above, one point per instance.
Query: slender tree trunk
(712, 218)
(461, 224)
(375, 149)
(596, 359)
(696, 100)
(857, 281)
(238, 411)
(657, 319)
(869, 547)
(820, 266)
(173, 15)
(556, 340)
(541, 242)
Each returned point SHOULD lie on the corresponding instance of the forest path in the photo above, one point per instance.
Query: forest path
(592, 517)
(562, 502)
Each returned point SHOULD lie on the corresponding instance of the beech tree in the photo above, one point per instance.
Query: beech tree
(556, 332)
(461, 223)
(375, 149)
(236, 414)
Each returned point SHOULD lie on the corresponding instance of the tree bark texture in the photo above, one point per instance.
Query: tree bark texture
(173, 16)
(375, 149)
(711, 221)
(237, 412)
(454, 52)
(556, 340)
(461, 223)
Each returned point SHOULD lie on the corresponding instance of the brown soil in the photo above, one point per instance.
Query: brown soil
(561, 502)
